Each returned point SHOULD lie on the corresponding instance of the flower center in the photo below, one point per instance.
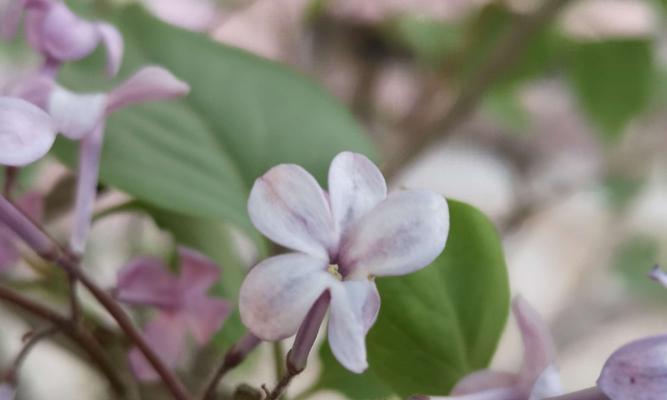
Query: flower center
(333, 270)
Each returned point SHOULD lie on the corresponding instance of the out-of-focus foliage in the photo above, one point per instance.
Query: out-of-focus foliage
(443, 321)
(200, 155)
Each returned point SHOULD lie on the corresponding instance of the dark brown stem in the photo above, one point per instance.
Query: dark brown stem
(234, 356)
(499, 63)
(50, 250)
(586, 394)
(74, 332)
(75, 307)
(282, 385)
(10, 179)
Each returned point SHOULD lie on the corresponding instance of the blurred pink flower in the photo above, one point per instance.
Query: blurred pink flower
(605, 19)
(26, 132)
(342, 240)
(636, 371)
(53, 30)
(182, 302)
(32, 205)
(538, 377)
(82, 117)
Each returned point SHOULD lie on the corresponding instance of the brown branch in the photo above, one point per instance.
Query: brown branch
(74, 332)
(510, 48)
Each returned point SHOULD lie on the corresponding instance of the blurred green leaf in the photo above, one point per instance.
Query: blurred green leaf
(333, 376)
(444, 321)
(633, 260)
(503, 104)
(430, 40)
(613, 80)
(199, 156)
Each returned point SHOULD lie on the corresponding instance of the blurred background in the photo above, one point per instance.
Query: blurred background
(548, 115)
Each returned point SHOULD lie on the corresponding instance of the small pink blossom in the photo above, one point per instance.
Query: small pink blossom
(538, 378)
(26, 132)
(182, 303)
(53, 30)
(342, 240)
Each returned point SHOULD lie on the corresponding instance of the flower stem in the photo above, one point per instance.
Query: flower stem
(234, 356)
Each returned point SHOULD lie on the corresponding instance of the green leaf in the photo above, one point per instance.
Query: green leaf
(199, 156)
(633, 260)
(430, 40)
(612, 79)
(444, 321)
(333, 376)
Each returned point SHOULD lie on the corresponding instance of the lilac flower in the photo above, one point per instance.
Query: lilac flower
(7, 391)
(32, 205)
(26, 132)
(342, 240)
(59, 35)
(183, 305)
(82, 117)
(538, 377)
(636, 371)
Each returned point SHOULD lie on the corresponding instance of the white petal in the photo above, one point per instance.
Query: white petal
(148, 84)
(277, 294)
(354, 307)
(26, 132)
(76, 115)
(547, 385)
(288, 206)
(484, 380)
(356, 185)
(491, 394)
(402, 234)
(538, 346)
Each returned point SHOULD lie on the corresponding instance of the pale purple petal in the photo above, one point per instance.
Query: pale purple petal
(113, 43)
(198, 273)
(148, 84)
(76, 115)
(7, 392)
(659, 275)
(491, 394)
(146, 281)
(11, 18)
(349, 322)
(9, 254)
(288, 206)
(65, 36)
(404, 233)
(35, 89)
(90, 152)
(636, 371)
(166, 335)
(34, 24)
(26, 132)
(538, 345)
(205, 317)
(547, 385)
(484, 380)
(356, 185)
(277, 293)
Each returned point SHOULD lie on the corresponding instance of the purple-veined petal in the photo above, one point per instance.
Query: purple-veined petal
(288, 206)
(7, 391)
(636, 371)
(65, 36)
(9, 254)
(404, 233)
(148, 84)
(659, 275)
(484, 380)
(491, 394)
(198, 272)
(349, 321)
(548, 384)
(538, 346)
(11, 18)
(76, 115)
(90, 152)
(356, 185)
(146, 281)
(113, 44)
(278, 292)
(205, 316)
(166, 335)
(26, 132)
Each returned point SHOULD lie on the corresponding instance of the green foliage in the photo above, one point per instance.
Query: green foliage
(199, 156)
(440, 323)
(431, 41)
(613, 80)
(633, 260)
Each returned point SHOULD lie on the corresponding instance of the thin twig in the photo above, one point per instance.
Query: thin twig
(281, 386)
(50, 250)
(499, 63)
(10, 179)
(74, 332)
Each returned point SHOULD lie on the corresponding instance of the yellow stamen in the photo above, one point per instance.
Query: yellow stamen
(333, 270)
